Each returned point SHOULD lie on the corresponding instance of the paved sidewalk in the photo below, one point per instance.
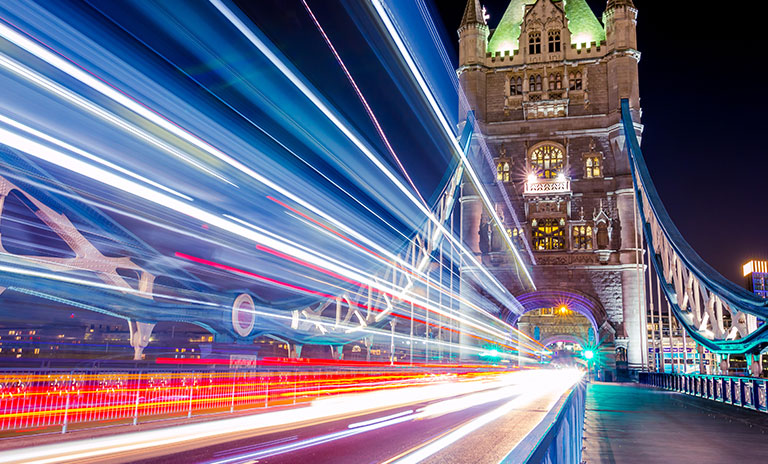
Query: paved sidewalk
(628, 423)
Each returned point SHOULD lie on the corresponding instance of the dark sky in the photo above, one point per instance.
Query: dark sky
(703, 109)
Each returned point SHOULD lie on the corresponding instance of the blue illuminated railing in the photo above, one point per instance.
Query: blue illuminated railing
(747, 392)
(558, 437)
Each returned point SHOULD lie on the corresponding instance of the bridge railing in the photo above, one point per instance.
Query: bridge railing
(46, 400)
(746, 392)
(558, 437)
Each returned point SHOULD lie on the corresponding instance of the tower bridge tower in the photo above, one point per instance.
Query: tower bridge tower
(546, 86)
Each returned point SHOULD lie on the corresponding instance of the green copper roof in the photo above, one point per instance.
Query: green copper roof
(584, 26)
(507, 33)
(582, 23)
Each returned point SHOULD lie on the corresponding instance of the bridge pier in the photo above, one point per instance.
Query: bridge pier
(295, 351)
(140, 333)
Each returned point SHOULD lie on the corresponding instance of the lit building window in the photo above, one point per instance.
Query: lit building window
(554, 41)
(547, 161)
(592, 167)
(515, 86)
(555, 81)
(574, 80)
(502, 171)
(548, 234)
(582, 237)
(534, 43)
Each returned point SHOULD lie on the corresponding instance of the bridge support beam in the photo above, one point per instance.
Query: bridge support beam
(755, 362)
(140, 333)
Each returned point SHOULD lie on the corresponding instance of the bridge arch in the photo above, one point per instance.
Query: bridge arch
(568, 338)
(581, 303)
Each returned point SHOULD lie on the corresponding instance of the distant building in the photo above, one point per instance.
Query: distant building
(756, 277)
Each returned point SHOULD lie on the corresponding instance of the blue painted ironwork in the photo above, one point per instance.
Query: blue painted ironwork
(558, 437)
(745, 392)
(691, 286)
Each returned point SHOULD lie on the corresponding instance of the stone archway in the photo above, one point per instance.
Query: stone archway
(568, 338)
(575, 301)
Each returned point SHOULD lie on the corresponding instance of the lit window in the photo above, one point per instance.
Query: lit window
(547, 161)
(534, 43)
(548, 234)
(582, 237)
(592, 167)
(574, 80)
(502, 171)
(515, 86)
(554, 41)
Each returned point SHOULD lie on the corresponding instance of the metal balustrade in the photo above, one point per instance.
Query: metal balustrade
(746, 392)
(45, 399)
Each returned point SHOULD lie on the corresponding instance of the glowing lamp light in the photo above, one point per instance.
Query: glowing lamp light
(589, 354)
(532, 178)
(561, 177)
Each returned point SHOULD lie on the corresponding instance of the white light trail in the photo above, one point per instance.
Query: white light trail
(98, 174)
(85, 78)
(299, 84)
(404, 52)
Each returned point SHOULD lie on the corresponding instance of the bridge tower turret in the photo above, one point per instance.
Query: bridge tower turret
(473, 42)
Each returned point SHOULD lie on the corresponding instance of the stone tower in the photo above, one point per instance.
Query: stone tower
(546, 87)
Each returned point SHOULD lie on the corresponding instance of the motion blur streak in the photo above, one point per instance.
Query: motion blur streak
(555, 381)
(489, 205)
(488, 387)
(279, 64)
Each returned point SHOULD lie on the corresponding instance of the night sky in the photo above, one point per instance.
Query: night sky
(703, 111)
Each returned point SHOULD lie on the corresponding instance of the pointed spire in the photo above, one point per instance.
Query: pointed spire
(473, 14)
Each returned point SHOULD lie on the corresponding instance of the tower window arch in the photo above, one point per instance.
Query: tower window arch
(547, 161)
(575, 81)
(534, 83)
(515, 86)
(502, 171)
(555, 81)
(554, 41)
(592, 167)
(547, 234)
(582, 237)
(534, 43)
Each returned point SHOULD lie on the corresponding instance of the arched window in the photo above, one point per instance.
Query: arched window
(582, 237)
(548, 234)
(574, 80)
(502, 171)
(592, 167)
(534, 83)
(515, 86)
(534, 43)
(554, 41)
(555, 81)
(547, 161)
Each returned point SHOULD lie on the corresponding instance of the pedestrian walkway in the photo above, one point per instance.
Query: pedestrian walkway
(629, 423)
